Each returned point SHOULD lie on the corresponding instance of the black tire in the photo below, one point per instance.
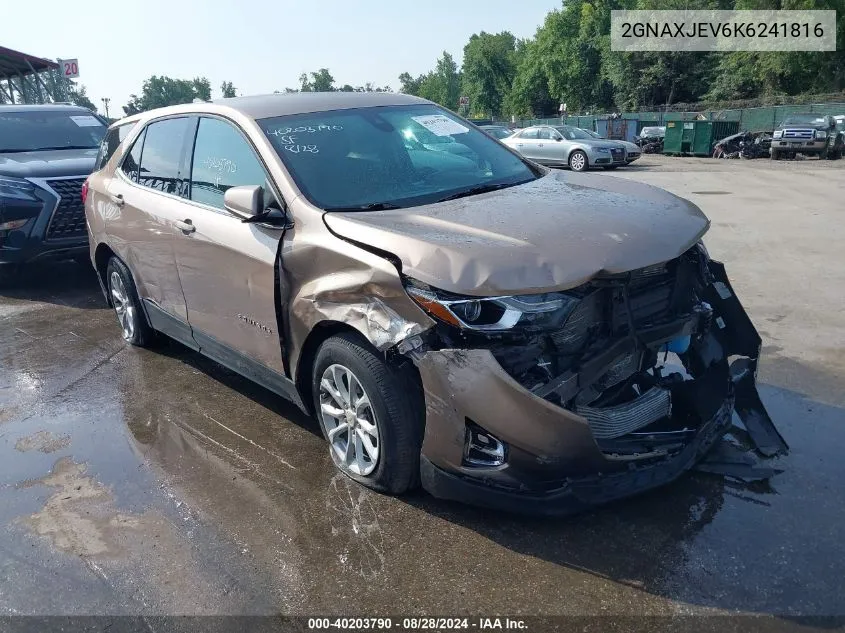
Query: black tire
(775, 155)
(610, 167)
(396, 402)
(580, 165)
(142, 334)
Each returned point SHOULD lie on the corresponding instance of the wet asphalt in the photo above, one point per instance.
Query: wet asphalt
(157, 482)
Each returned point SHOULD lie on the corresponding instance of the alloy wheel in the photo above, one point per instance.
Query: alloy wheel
(123, 307)
(578, 161)
(349, 420)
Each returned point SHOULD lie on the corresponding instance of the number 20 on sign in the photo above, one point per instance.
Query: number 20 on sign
(69, 68)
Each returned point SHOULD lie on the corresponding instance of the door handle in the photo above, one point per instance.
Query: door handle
(186, 226)
(539, 145)
(117, 199)
(519, 144)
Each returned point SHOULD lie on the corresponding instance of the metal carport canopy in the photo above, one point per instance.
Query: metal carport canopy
(20, 66)
(14, 63)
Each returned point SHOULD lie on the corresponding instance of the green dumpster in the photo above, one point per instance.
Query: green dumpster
(696, 137)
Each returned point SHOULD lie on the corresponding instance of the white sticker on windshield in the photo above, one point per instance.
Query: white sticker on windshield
(440, 125)
(86, 120)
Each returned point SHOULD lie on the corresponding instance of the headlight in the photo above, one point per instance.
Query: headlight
(603, 150)
(821, 134)
(16, 189)
(777, 134)
(495, 314)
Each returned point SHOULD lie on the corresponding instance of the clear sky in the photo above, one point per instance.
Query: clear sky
(259, 45)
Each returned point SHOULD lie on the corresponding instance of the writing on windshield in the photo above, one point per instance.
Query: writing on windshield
(387, 157)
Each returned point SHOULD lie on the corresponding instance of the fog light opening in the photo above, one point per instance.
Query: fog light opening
(482, 449)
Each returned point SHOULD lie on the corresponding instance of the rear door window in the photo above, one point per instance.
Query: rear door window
(133, 158)
(111, 141)
(223, 159)
(163, 159)
(530, 133)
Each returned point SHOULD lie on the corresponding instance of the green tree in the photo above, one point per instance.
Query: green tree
(529, 95)
(227, 89)
(321, 81)
(746, 74)
(79, 96)
(158, 92)
(410, 85)
(488, 71)
(441, 85)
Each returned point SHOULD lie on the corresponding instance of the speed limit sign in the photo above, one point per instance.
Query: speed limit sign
(69, 68)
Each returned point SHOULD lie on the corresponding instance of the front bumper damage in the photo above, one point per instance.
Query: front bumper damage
(575, 440)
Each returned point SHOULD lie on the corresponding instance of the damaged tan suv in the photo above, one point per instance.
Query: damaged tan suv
(453, 314)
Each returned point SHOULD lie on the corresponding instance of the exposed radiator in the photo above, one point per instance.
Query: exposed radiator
(611, 422)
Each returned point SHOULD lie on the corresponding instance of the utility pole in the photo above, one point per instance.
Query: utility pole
(105, 101)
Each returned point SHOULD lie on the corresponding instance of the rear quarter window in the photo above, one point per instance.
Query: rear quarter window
(133, 158)
(111, 141)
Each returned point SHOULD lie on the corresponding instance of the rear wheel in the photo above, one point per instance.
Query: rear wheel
(578, 161)
(127, 306)
(371, 413)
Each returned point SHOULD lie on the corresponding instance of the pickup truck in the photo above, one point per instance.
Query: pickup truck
(807, 134)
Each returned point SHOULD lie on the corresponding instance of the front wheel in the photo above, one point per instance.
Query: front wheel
(578, 161)
(127, 306)
(371, 414)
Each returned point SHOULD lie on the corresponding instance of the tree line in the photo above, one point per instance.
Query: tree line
(569, 61)
(161, 91)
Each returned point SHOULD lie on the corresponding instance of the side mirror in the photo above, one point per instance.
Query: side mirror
(245, 201)
(558, 138)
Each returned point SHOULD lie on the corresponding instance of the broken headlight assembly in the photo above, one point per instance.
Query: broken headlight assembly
(494, 314)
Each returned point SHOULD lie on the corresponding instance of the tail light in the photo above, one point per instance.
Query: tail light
(84, 192)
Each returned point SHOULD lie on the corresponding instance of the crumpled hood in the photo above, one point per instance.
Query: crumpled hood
(48, 163)
(554, 233)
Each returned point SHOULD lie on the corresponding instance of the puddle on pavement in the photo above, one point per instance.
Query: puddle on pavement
(180, 474)
(79, 517)
(43, 441)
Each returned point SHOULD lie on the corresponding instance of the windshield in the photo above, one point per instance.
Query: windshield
(33, 131)
(805, 119)
(573, 133)
(390, 156)
(591, 133)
